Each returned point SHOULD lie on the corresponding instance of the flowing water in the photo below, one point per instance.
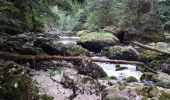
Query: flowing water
(110, 69)
(68, 40)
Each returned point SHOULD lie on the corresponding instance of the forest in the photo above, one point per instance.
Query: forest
(84, 49)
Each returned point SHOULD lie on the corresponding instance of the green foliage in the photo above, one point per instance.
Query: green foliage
(25, 15)
(142, 16)
(164, 8)
(103, 13)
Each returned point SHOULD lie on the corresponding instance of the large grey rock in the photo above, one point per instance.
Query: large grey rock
(91, 69)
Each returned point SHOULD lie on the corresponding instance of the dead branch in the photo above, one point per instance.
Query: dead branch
(30, 58)
(150, 48)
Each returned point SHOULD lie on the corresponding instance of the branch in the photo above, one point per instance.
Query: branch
(150, 48)
(30, 58)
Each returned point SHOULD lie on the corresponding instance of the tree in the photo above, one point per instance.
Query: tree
(103, 13)
(143, 17)
(17, 16)
(164, 11)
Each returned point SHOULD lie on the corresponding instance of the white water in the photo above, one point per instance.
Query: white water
(68, 40)
(110, 69)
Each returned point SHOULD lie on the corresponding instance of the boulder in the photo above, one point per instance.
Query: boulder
(131, 79)
(82, 86)
(91, 69)
(95, 41)
(76, 50)
(162, 77)
(15, 82)
(121, 53)
(156, 60)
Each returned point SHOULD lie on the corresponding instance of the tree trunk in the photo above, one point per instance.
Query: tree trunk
(150, 48)
(31, 58)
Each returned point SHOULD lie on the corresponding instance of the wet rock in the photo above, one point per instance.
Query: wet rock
(121, 68)
(119, 52)
(147, 76)
(131, 79)
(91, 69)
(95, 41)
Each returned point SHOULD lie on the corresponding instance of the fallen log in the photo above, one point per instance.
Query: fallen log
(31, 58)
(150, 48)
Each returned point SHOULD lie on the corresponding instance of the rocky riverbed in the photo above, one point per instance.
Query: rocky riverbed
(81, 80)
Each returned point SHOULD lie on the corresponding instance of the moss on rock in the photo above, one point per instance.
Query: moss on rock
(16, 84)
(147, 76)
(119, 52)
(95, 41)
(131, 79)
(97, 36)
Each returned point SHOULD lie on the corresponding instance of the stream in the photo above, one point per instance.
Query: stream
(110, 69)
(66, 83)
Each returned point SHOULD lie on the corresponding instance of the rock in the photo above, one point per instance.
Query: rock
(91, 69)
(76, 50)
(147, 76)
(82, 32)
(111, 93)
(57, 48)
(51, 85)
(49, 47)
(121, 68)
(165, 66)
(15, 82)
(95, 41)
(161, 46)
(162, 77)
(131, 79)
(121, 53)
(155, 60)
(82, 86)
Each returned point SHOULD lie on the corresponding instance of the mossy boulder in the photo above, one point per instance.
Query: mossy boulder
(95, 41)
(16, 84)
(131, 79)
(57, 48)
(162, 77)
(76, 50)
(155, 60)
(115, 93)
(147, 76)
(119, 52)
(148, 92)
(82, 32)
